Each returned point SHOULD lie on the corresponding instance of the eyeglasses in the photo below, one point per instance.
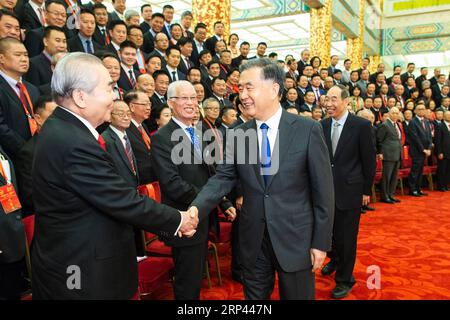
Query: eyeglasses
(147, 104)
(186, 99)
(122, 114)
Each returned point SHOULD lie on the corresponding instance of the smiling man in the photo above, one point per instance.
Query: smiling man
(287, 215)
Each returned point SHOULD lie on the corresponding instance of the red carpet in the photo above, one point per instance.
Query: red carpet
(409, 242)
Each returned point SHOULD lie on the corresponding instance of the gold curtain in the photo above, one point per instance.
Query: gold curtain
(210, 11)
(320, 33)
(355, 45)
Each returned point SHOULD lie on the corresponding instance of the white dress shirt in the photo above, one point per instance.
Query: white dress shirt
(12, 82)
(36, 8)
(120, 134)
(273, 124)
(341, 121)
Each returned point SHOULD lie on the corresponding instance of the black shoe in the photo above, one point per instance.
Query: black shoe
(415, 194)
(441, 189)
(387, 201)
(368, 208)
(328, 269)
(423, 193)
(395, 200)
(341, 291)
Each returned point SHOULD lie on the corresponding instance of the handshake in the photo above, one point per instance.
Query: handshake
(190, 222)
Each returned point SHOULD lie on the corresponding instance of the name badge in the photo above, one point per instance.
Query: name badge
(8, 198)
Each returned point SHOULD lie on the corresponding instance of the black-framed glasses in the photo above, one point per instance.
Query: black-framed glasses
(186, 99)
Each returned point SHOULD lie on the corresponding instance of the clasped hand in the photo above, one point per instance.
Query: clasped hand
(190, 222)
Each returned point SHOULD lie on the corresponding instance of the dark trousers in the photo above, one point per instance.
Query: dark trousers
(443, 173)
(345, 236)
(260, 280)
(389, 179)
(415, 176)
(235, 263)
(189, 265)
(11, 280)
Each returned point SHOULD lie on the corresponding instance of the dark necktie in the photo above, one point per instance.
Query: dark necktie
(174, 76)
(129, 152)
(132, 80)
(88, 46)
(265, 153)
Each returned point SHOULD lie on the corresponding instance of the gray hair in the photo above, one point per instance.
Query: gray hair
(131, 13)
(269, 70)
(344, 90)
(70, 74)
(398, 86)
(426, 83)
(186, 14)
(172, 91)
(208, 101)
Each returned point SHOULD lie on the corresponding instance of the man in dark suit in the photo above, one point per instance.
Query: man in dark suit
(119, 10)
(82, 202)
(173, 61)
(180, 183)
(186, 46)
(186, 22)
(442, 150)
(117, 31)
(12, 241)
(128, 74)
(420, 144)
(139, 134)
(55, 15)
(40, 71)
(83, 41)
(352, 154)
(219, 89)
(199, 43)
(146, 13)
(149, 36)
(219, 29)
(101, 35)
(17, 97)
(287, 214)
(389, 145)
(33, 15)
(304, 60)
(24, 161)
(409, 73)
(244, 49)
(162, 81)
(9, 25)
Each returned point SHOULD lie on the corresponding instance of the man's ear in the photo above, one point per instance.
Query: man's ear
(276, 89)
(79, 97)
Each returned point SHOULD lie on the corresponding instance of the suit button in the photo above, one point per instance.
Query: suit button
(332, 165)
(266, 196)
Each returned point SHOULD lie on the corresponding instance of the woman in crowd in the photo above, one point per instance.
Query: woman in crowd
(356, 101)
(233, 39)
(232, 83)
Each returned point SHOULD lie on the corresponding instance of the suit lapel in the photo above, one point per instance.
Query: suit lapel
(327, 132)
(257, 165)
(282, 143)
(345, 135)
(120, 149)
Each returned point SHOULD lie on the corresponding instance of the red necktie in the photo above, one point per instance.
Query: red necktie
(145, 137)
(101, 142)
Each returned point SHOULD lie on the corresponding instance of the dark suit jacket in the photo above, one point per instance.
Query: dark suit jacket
(183, 68)
(142, 155)
(354, 161)
(110, 48)
(14, 128)
(418, 138)
(237, 61)
(24, 164)
(300, 67)
(12, 241)
(34, 40)
(210, 44)
(124, 81)
(145, 27)
(149, 42)
(180, 183)
(112, 16)
(29, 19)
(195, 54)
(442, 140)
(99, 38)
(388, 142)
(180, 75)
(40, 71)
(87, 209)
(116, 150)
(75, 45)
(404, 77)
(296, 205)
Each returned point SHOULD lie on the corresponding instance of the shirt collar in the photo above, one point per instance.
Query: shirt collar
(116, 46)
(36, 6)
(181, 124)
(420, 118)
(117, 131)
(170, 69)
(126, 68)
(83, 38)
(12, 82)
(342, 120)
(273, 122)
(85, 122)
(136, 123)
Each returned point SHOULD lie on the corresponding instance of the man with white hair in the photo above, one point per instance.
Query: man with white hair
(83, 241)
(180, 184)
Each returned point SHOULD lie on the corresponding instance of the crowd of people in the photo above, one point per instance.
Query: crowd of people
(165, 76)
